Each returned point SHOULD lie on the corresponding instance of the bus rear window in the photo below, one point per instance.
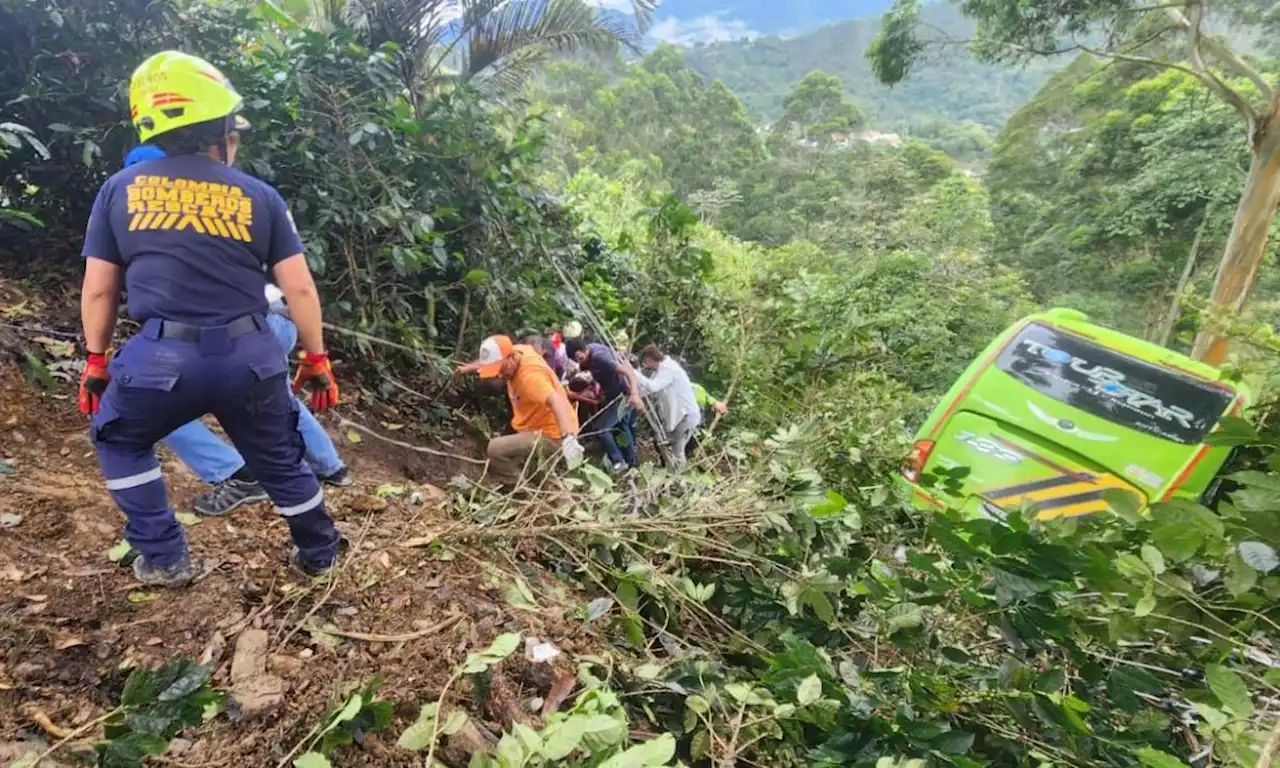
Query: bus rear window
(1113, 386)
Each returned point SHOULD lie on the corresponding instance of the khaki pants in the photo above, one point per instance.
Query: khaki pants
(510, 454)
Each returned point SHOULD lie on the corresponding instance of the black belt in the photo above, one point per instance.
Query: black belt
(241, 326)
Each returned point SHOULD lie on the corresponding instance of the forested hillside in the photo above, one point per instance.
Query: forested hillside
(757, 17)
(950, 86)
(785, 599)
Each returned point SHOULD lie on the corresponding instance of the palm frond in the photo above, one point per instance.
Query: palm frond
(414, 25)
(643, 11)
(505, 45)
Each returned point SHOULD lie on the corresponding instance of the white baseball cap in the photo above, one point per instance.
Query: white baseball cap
(493, 351)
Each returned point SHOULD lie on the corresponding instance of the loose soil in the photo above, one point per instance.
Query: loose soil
(72, 622)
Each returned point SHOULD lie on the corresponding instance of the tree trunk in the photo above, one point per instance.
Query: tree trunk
(1238, 269)
(1171, 319)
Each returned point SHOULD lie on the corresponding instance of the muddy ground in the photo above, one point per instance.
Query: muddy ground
(72, 622)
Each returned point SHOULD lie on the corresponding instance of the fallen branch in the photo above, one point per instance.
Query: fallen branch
(1271, 749)
(375, 339)
(45, 722)
(420, 449)
(77, 732)
(374, 637)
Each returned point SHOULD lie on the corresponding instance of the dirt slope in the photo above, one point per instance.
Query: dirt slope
(71, 621)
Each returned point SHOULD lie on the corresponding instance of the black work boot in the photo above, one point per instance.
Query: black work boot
(227, 496)
(340, 478)
(316, 568)
(178, 574)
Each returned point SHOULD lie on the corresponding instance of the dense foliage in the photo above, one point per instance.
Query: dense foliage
(784, 607)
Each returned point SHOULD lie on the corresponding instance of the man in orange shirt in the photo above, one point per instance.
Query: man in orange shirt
(542, 417)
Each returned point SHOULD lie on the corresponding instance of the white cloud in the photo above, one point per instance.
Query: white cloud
(712, 28)
(624, 6)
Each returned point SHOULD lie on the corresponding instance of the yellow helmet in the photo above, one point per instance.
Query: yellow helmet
(173, 89)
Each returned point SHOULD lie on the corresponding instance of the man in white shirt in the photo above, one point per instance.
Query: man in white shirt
(674, 399)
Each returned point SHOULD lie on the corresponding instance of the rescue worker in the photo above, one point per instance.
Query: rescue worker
(190, 238)
(541, 416)
(621, 395)
(675, 402)
(217, 463)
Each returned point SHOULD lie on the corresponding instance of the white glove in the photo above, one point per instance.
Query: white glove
(572, 450)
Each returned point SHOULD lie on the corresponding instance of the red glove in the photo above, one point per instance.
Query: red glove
(93, 382)
(316, 376)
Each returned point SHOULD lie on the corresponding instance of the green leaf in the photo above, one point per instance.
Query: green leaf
(190, 680)
(697, 704)
(954, 742)
(832, 505)
(1230, 690)
(501, 647)
(1131, 567)
(312, 760)
(139, 688)
(1239, 578)
(454, 723)
(1126, 504)
(1233, 430)
(1178, 540)
(1154, 560)
(353, 436)
(904, 616)
(418, 736)
(476, 277)
(561, 739)
(1154, 758)
(188, 518)
(119, 551)
(654, 752)
(808, 691)
(347, 713)
(389, 491)
(1145, 605)
(1011, 587)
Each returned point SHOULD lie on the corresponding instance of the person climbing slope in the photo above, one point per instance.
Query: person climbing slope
(674, 399)
(217, 463)
(621, 396)
(190, 238)
(543, 421)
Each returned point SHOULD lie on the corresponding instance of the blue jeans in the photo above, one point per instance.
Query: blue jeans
(614, 420)
(159, 384)
(215, 461)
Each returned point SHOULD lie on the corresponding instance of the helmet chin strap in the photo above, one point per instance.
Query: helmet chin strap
(224, 150)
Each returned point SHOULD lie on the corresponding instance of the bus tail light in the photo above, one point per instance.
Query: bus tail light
(913, 463)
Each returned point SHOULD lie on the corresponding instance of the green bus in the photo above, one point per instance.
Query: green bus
(1057, 411)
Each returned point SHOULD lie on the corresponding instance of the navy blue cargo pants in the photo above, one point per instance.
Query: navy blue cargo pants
(160, 381)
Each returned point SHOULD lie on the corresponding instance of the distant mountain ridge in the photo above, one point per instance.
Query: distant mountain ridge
(691, 21)
(949, 86)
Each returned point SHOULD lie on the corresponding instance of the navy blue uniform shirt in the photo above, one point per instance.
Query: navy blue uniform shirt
(194, 236)
(603, 365)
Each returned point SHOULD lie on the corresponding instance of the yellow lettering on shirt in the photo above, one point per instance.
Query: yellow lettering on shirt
(198, 208)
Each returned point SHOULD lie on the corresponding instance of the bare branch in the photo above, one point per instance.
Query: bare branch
(1232, 61)
(1193, 26)
(1142, 60)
